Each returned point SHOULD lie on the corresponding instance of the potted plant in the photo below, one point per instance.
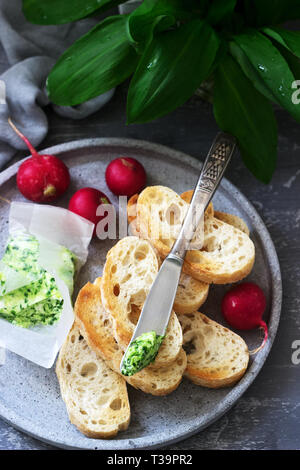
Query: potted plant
(170, 47)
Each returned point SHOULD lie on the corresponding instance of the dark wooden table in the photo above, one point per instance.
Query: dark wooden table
(268, 414)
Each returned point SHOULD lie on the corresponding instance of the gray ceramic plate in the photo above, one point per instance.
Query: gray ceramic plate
(29, 394)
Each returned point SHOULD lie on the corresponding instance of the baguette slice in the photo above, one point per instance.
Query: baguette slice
(131, 210)
(230, 219)
(233, 220)
(96, 326)
(227, 254)
(132, 204)
(130, 269)
(187, 197)
(191, 293)
(217, 357)
(95, 396)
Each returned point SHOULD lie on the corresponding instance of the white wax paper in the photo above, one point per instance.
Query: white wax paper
(13, 279)
(52, 226)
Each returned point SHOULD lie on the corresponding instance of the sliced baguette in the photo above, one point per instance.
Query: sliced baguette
(230, 219)
(233, 220)
(191, 293)
(131, 209)
(132, 203)
(95, 396)
(216, 356)
(96, 326)
(227, 254)
(130, 269)
(187, 197)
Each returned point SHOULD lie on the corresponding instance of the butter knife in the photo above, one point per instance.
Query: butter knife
(158, 306)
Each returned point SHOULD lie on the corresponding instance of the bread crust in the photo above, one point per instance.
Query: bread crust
(126, 304)
(218, 358)
(191, 293)
(92, 419)
(227, 254)
(96, 326)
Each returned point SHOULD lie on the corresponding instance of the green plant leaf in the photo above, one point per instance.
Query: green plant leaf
(292, 60)
(271, 67)
(94, 64)
(243, 112)
(288, 44)
(141, 33)
(63, 11)
(173, 65)
(157, 15)
(250, 71)
(288, 39)
(219, 9)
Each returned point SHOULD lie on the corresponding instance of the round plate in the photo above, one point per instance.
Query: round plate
(29, 395)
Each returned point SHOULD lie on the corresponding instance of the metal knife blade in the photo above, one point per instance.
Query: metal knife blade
(158, 306)
(159, 302)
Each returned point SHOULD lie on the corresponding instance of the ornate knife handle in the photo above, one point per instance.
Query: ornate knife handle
(211, 174)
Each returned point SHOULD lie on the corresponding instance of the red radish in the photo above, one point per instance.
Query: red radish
(125, 176)
(41, 178)
(243, 307)
(85, 203)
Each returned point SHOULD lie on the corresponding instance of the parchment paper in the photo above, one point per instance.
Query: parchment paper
(52, 226)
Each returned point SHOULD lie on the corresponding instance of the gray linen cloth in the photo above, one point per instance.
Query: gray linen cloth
(32, 51)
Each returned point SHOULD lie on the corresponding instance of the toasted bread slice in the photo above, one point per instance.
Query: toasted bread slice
(233, 220)
(96, 326)
(227, 254)
(130, 269)
(95, 396)
(230, 219)
(191, 293)
(187, 197)
(217, 357)
(131, 208)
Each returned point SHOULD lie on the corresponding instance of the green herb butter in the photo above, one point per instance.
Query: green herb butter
(142, 351)
(21, 299)
(66, 267)
(2, 282)
(22, 253)
(39, 302)
(46, 312)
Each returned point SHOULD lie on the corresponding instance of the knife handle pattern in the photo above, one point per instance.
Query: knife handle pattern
(211, 174)
(216, 163)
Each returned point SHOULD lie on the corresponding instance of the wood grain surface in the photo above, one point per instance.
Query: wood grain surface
(268, 414)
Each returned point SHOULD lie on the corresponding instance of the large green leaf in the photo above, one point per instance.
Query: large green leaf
(157, 15)
(292, 60)
(242, 111)
(288, 44)
(63, 11)
(288, 39)
(271, 67)
(173, 65)
(141, 30)
(94, 64)
(250, 71)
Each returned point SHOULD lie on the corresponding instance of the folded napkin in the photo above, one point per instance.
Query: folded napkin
(32, 50)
